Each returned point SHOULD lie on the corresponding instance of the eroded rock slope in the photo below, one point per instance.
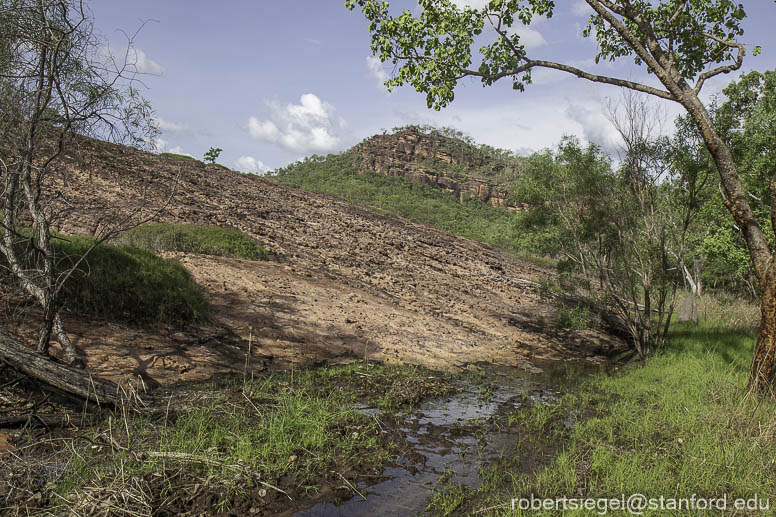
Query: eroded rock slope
(344, 281)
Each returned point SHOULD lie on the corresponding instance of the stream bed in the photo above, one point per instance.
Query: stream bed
(453, 438)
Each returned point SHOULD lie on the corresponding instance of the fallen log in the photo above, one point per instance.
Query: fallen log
(48, 420)
(66, 378)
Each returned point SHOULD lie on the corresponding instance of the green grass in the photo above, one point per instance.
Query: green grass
(128, 283)
(276, 428)
(189, 238)
(291, 421)
(292, 430)
(678, 424)
(576, 318)
(122, 283)
(335, 175)
(387, 387)
(180, 157)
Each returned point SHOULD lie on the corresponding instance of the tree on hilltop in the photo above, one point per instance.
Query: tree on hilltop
(212, 154)
(684, 43)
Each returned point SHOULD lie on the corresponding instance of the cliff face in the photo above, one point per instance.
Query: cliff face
(439, 161)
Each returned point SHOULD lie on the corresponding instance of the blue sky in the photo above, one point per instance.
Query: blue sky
(271, 81)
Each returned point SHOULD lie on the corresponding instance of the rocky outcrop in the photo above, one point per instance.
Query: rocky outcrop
(447, 163)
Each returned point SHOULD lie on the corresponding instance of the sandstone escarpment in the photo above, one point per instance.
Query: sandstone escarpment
(447, 163)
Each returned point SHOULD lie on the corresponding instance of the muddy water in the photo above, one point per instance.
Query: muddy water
(451, 439)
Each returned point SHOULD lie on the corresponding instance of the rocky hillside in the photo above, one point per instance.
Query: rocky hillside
(343, 281)
(428, 156)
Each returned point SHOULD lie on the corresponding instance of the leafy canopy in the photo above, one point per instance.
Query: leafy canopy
(436, 48)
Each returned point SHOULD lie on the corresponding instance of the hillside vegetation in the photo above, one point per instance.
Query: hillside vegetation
(335, 175)
(125, 283)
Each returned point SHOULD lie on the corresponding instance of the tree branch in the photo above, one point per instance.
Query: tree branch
(726, 69)
(531, 63)
(649, 54)
(605, 79)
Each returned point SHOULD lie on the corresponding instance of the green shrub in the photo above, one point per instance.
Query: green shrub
(189, 238)
(120, 283)
(128, 283)
(123, 283)
(574, 318)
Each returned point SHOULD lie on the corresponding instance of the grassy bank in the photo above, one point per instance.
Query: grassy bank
(190, 238)
(678, 424)
(123, 283)
(234, 447)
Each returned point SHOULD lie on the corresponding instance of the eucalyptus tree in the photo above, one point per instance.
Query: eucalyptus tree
(683, 43)
(57, 85)
(745, 117)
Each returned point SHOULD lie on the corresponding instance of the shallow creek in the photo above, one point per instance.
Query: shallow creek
(453, 436)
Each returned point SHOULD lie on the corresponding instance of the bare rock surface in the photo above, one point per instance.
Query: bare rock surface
(343, 282)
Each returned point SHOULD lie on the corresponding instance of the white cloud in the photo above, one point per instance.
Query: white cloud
(596, 128)
(532, 121)
(305, 127)
(517, 124)
(530, 38)
(132, 59)
(160, 145)
(376, 68)
(142, 63)
(250, 164)
(263, 130)
(545, 76)
(169, 127)
(179, 150)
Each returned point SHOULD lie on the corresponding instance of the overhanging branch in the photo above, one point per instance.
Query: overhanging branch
(605, 79)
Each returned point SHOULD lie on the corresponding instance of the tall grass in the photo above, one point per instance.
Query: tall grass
(729, 311)
(680, 423)
(291, 429)
(128, 283)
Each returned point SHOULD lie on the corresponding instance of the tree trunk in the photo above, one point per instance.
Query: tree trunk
(73, 357)
(763, 371)
(66, 378)
(763, 374)
(44, 336)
